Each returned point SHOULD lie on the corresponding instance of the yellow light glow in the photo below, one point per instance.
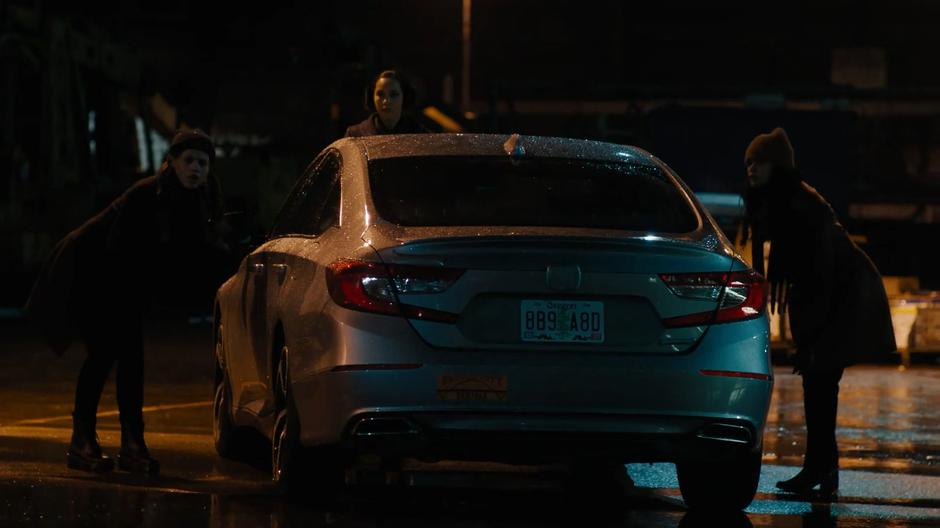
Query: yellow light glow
(448, 124)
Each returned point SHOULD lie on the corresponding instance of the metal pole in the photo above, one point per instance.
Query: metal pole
(465, 76)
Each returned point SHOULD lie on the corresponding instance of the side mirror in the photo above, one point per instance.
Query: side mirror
(255, 239)
(244, 236)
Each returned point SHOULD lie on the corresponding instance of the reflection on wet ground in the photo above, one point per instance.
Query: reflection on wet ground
(863, 495)
(889, 420)
(61, 502)
(132, 507)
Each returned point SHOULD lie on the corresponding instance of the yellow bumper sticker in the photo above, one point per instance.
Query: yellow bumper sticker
(453, 387)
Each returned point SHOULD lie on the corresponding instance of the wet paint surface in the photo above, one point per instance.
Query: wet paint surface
(888, 438)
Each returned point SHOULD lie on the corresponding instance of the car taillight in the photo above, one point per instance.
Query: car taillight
(375, 287)
(741, 295)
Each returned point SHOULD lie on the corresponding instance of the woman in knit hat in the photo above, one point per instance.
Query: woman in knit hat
(99, 279)
(838, 310)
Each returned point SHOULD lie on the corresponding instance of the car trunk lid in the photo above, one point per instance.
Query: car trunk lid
(530, 292)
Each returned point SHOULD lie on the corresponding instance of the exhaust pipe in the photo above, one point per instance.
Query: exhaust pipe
(734, 434)
(384, 426)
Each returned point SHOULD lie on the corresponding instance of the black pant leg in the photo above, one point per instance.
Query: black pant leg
(111, 338)
(103, 345)
(92, 377)
(820, 403)
(130, 375)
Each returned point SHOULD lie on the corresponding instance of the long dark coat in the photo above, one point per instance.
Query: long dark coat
(372, 126)
(839, 313)
(107, 269)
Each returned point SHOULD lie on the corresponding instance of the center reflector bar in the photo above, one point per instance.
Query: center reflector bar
(377, 366)
(734, 374)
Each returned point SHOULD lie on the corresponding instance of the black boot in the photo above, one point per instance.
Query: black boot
(134, 455)
(809, 478)
(84, 452)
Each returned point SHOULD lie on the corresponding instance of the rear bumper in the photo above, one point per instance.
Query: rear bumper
(519, 438)
(552, 405)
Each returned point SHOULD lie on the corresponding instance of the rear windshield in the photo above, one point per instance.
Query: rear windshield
(487, 191)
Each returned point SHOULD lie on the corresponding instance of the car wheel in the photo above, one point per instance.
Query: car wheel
(322, 467)
(285, 439)
(230, 441)
(720, 486)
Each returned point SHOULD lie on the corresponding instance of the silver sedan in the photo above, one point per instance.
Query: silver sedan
(489, 297)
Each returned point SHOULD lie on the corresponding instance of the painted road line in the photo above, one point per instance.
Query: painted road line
(152, 408)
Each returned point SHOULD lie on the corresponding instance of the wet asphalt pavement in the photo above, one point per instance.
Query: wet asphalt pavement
(889, 435)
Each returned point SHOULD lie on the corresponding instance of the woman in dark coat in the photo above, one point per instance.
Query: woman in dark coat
(835, 297)
(99, 279)
(389, 98)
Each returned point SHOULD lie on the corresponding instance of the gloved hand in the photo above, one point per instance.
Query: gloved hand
(802, 360)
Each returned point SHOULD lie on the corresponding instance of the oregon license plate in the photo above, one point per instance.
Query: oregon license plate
(562, 321)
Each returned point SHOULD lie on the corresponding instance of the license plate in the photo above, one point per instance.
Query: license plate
(562, 321)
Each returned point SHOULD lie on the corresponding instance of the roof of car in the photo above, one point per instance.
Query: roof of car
(515, 145)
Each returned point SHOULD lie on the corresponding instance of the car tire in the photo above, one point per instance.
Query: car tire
(285, 438)
(294, 468)
(230, 440)
(728, 486)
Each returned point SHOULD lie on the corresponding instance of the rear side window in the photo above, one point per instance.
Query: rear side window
(487, 191)
(313, 205)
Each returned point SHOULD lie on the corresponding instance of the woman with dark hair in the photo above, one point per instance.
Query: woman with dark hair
(101, 276)
(389, 97)
(835, 297)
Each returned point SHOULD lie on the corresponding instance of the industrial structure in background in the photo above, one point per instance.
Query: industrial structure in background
(89, 94)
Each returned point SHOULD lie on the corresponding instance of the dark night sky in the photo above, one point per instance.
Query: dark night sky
(565, 48)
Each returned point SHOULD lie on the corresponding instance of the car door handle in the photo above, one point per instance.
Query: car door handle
(281, 272)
